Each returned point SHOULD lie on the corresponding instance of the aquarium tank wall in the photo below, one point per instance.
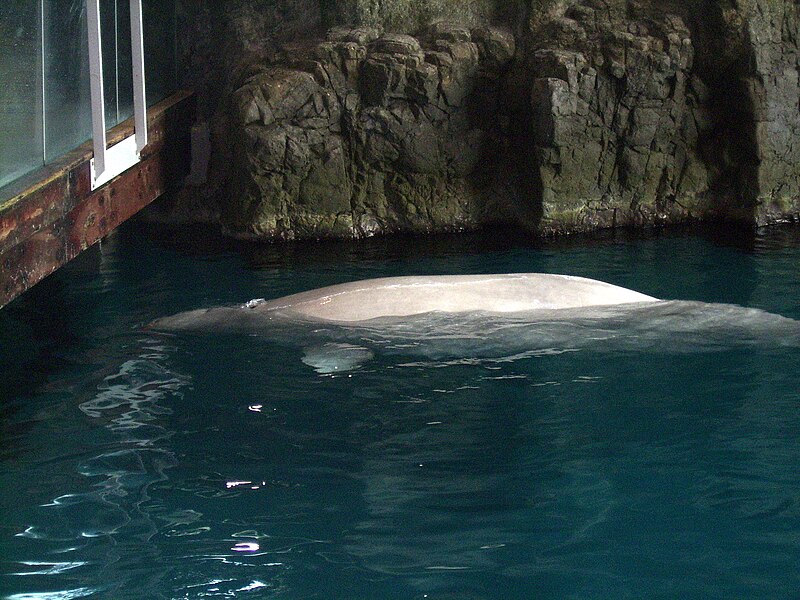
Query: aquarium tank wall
(45, 104)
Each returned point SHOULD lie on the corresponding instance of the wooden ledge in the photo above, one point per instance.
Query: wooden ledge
(51, 215)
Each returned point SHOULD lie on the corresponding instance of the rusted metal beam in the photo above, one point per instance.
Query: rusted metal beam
(52, 215)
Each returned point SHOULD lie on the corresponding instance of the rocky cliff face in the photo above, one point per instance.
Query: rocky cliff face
(650, 112)
(615, 119)
(416, 15)
(329, 119)
(367, 133)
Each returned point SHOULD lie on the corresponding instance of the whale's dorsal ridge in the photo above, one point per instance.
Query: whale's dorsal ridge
(411, 295)
(359, 301)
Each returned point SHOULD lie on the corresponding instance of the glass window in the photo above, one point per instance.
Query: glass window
(108, 32)
(67, 98)
(124, 63)
(21, 90)
(45, 98)
(159, 49)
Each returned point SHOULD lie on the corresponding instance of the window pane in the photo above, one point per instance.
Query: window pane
(108, 33)
(159, 48)
(21, 89)
(124, 61)
(68, 121)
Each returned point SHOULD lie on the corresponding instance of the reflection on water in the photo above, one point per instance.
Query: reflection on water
(486, 463)
(116, 506)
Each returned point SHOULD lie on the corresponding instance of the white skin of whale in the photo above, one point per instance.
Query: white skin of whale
(485, 316)
(405, 296)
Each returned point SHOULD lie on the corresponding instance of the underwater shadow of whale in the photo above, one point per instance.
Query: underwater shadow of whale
(486, 317)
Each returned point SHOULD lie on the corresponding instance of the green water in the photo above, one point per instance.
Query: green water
(135, 464)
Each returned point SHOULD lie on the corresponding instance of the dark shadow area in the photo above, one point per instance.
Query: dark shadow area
(723, 64)
(206, 241)
(41, 324)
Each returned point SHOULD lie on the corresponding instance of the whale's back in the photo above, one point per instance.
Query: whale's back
(406, 296)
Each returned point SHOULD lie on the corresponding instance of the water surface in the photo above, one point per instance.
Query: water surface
(139, 465)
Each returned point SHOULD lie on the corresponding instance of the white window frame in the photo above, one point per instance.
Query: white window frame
(110, 162)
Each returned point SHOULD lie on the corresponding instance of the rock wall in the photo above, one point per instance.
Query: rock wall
(655, 112)
(217, 39)
(328, 119)
(616, 119)
(367, 133)
(773, 95)
(411, 15)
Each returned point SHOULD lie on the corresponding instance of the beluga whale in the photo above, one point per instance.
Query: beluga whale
(483, 317)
